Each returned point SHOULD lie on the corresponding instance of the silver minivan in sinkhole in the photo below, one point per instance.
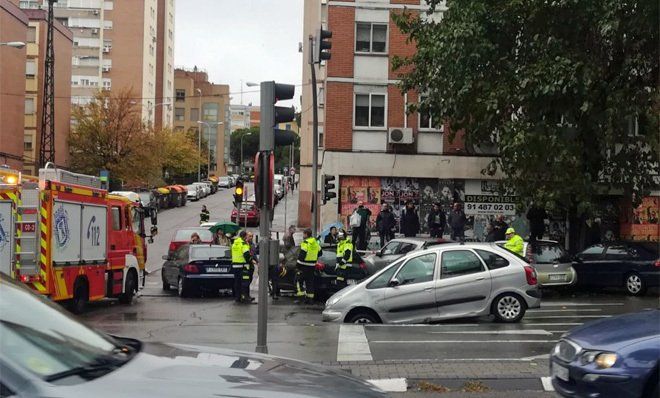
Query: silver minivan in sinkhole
(444, 282)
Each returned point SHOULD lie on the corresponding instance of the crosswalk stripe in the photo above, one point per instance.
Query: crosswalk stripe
(547, 383)
(390, 385)
(352, 344)
(567, 310)
(566, 316)
(459, 341)
(575, 304)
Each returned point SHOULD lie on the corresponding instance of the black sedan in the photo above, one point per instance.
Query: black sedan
(325, 275)
(44, 352)
(194, 267)
(635, 266)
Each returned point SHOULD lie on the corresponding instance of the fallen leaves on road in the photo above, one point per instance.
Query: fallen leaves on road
(468, 386)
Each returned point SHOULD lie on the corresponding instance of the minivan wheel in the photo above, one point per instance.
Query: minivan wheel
(362, 318)
(635, 285)
(509, 308)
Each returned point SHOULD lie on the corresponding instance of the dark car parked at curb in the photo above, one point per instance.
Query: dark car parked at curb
(635, 266)
(45, 352)
(193, 268)
(325, 275)
(397, 248)
(615, 357)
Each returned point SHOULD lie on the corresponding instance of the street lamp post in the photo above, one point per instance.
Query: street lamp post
(199, 135)
(243, 136)
(152, 107)
(14, 44)
(208, 126)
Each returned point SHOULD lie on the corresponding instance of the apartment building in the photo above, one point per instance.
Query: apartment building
(34, 88)
(239, 117)
(164, 113)
(192, 92)
(14, 24)
(379, 152)
(115, 47)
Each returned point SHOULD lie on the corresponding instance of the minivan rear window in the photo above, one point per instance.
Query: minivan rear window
(183, 235)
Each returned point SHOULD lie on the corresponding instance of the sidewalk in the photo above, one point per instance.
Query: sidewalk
(448, 369)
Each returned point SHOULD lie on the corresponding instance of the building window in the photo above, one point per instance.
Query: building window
(29, 106)
(30, 68)
(194, 114)
(426, 121)
(210, 112)
(32, 34)
(369, 110)
(371, 37)
(179, 114)
(27, 142)
(180, 95)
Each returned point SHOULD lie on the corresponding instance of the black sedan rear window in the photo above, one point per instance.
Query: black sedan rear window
(207, 252)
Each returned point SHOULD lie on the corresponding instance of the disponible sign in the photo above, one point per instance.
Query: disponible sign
(482, 198)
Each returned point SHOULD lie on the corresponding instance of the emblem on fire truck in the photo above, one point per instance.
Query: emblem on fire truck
(62, 232)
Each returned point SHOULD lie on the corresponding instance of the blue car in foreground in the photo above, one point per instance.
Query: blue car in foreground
(613, 357)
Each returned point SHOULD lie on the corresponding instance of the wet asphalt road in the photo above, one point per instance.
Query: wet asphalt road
(296, 331)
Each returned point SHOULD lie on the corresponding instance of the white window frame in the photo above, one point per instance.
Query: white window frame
(430, 129)
(371, 38)
(369, 127)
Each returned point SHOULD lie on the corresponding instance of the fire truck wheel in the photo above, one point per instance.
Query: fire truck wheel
(131, 283)
(80, 297)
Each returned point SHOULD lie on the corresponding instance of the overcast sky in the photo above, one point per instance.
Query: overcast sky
(252, 40)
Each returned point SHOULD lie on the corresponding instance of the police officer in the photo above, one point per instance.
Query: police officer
(514, 242)
(241, 260)
(344, 258)
(310, 250)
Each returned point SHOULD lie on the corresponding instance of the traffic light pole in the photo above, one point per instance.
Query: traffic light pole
(315, 141)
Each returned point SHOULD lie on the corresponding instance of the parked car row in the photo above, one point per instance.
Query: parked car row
(200, 190)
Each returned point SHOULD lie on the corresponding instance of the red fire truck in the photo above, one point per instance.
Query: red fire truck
(70, 240)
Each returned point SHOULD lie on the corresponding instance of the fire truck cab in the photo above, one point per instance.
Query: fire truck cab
(70, 240)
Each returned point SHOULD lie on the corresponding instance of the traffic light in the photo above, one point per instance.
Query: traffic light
(322, 45)
(238, 192)
(328, 187)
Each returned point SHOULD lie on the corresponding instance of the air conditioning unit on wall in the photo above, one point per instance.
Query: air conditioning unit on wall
(400, 135)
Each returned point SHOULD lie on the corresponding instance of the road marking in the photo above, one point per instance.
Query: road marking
(412, 325)
(547, 383)
(566, 316)
(568, 310)
(390, 385)
(538, 332)
(459, 341)
(554, 324)
(574, 304)
(352, 344)
(535, 357)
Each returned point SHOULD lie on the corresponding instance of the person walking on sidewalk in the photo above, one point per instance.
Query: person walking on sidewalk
(385, 223)
(457, 222)
(409, 221)
(436, 221)
(360, 229)
(310, 250)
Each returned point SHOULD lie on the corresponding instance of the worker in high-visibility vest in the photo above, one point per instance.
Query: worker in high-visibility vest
(310, 250)
(345, 250)
(241, 261)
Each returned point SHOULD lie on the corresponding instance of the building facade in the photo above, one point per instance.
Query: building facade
(115, 47)
(34, 88)
(13, 27)
(377, 150)
(192, 92)
(380, 153)
(164, 113)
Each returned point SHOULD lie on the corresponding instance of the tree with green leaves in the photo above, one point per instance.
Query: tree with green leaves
(566, 89)
(250, 144)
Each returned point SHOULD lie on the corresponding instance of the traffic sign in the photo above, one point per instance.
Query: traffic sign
(292, 172)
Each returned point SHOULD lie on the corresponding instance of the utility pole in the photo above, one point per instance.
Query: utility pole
(47, 141)
(317, 53)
